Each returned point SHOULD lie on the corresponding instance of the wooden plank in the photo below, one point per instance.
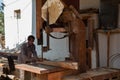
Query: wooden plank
(112, 31)
(38, 68)
(58, 30)
(63, 64)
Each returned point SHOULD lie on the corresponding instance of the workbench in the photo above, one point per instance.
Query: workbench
(44, 72)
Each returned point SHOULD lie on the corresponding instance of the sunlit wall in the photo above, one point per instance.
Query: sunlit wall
(16, 30)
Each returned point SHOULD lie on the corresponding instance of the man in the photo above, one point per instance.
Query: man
(28, 52)
(27, 55)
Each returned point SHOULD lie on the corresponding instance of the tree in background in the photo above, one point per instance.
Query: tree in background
(2, 38)
(2, 5)
(2, 18)
(2, 23)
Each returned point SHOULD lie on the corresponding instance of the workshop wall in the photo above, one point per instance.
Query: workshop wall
(17, 29)
(114, 50)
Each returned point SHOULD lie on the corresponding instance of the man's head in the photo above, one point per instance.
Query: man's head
(31, 39)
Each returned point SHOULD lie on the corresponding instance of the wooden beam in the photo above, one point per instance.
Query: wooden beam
(108, 48)
(38, 68)
(58, 30)
(75, 3)
(78, 41)
(38, 18)
(63, 64)
(55, 29)
(90, 33)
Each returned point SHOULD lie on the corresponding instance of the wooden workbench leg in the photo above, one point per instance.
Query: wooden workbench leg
(55, 76)
(21, 75)
(35, 76)
(41, 77)
(27, 75)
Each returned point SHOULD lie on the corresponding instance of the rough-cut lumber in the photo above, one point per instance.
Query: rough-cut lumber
(96, 74)
(64, 64)
(38, 68)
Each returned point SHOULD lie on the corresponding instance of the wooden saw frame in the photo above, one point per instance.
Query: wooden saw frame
(69, 22)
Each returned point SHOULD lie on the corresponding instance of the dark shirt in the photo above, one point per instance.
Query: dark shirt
(27, 53)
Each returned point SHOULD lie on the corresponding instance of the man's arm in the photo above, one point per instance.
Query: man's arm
(34, 52)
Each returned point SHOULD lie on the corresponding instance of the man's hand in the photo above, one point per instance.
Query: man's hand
(36, 59)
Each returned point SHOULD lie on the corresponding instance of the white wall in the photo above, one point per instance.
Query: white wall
(84, 4)
(59, 48)
(114, 50)
(17, 31)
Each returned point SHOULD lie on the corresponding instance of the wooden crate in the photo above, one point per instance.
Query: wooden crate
(96, 74)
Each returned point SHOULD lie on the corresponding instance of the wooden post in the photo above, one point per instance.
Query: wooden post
(90, 33)
(78, 41)
(38, 18)
(97, 48)
(108, 47)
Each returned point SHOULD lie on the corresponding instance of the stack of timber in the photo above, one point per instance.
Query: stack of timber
(63, 64)
(96, 74)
